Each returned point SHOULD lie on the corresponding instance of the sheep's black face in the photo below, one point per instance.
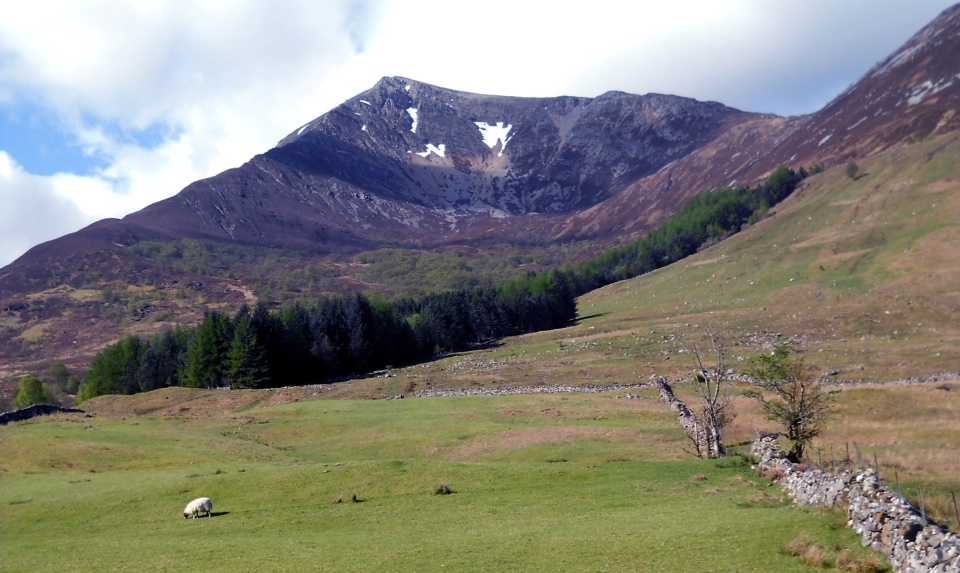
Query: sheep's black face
(186, 515)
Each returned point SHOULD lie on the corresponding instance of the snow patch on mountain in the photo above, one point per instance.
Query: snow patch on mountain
(491, 134)
(862, 119)
(431, 148)
(413, 114)
(922, 90)
(919, 92)
(898, 59)
(668, 165)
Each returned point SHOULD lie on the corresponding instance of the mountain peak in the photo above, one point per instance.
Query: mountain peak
(395, 83)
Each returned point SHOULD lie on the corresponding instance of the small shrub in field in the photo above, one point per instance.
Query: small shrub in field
(809, 552)
(798, 545)
(443, 489)
(815, 556)
(846, 562)
(869, 564)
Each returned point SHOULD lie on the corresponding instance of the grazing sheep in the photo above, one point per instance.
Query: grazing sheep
(196, 506)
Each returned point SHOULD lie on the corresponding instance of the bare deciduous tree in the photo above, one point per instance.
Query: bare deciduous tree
(690, 423)
(712, 384)
(799, 402)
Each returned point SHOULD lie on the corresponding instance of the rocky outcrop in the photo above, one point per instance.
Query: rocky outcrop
(35, 410)
(883, 519)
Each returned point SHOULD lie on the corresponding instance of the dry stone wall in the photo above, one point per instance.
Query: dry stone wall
(35, 410)
(884, 520)
(691, 426)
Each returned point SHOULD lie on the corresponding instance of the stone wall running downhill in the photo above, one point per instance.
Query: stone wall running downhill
(691, 426)
(35, 410)
(884, 520)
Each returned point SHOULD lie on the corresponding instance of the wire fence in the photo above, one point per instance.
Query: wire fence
(920, 501)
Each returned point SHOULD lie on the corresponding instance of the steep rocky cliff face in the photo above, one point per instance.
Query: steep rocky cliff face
(407, 161)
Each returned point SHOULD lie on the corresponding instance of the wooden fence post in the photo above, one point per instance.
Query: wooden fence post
(923, 511)
(863, 463)
(956, 509)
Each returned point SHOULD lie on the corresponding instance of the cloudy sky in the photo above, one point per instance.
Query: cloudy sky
(107, 106)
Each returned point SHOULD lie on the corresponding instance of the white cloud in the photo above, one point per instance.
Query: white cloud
(34, 209)
(783, 57)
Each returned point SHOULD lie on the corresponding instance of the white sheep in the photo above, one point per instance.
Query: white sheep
(196, 506)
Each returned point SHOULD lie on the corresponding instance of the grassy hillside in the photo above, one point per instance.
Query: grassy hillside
(541, 483)
(863, 272)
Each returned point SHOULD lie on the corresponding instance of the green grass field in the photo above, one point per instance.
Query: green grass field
(541, 483)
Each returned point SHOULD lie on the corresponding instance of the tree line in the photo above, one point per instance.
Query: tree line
(331, 338)
(701, 221)
(357, 334)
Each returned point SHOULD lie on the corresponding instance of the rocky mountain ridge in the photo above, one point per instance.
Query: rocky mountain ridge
(407, 161)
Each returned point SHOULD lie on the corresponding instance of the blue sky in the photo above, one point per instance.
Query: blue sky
(107, 106)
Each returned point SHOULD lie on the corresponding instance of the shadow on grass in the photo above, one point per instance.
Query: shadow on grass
(488, 345)
(589, 316)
